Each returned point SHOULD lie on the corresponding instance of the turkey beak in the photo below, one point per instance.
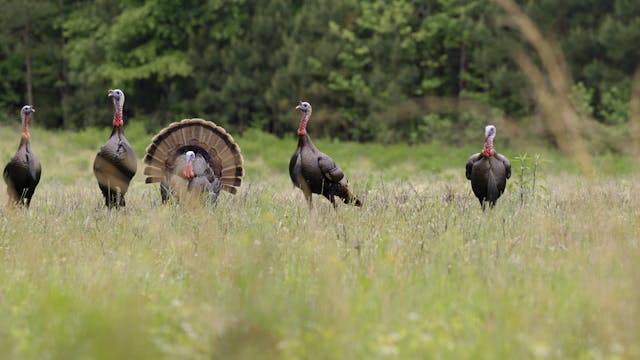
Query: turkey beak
(113, 95)
(33, 110)
(298, 107)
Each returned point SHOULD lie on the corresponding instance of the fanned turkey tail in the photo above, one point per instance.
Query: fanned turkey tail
(205, 139)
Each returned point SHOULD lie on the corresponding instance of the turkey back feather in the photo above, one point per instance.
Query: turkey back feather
(492, 187)
(208, 141)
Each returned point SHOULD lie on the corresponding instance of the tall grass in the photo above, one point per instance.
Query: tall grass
(419, 272)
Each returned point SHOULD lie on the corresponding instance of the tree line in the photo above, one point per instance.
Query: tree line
(375, 70)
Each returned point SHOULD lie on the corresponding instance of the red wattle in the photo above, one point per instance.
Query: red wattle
(188, 171)
(302, 129)
(117, 120)
(488, 150)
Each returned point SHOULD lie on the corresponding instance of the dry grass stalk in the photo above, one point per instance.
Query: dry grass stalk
(551, 85)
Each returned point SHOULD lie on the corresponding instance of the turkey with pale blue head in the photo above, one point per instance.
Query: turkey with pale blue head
(313, 171)
(22, 173)
(194, 159)
(488, 171)
(116, 163)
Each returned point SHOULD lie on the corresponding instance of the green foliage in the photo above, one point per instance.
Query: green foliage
(527, 178)
(245, 64)
(454, 129)
(614, 108)
(581, 97)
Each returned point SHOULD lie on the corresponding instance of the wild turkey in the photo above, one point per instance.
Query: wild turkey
(22, 173)
(115, 163)
(315, 172)
(194, 157)
(488, 171)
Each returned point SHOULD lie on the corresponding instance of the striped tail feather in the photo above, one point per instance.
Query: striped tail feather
(201, 136)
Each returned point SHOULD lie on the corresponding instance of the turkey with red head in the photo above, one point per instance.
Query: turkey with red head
(115, 163)
(194, 157)
(22, 173)
(488, 171)
(315, 172)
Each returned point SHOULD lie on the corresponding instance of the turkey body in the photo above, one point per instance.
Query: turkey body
(204, 182)
(22, 174)
(115, 164)
(216, 164)
(316, 173)
(114, 167)
(488, 175)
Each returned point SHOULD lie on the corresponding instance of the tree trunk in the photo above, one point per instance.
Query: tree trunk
(461, 68)
(27, 61)
(462, 58)
(64, 71)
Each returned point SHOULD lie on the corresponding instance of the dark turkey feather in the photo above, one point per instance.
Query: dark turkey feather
(494, 187)
(488, 171)
(215, 163)
(114, 167)
(22, 173)
(294, 167)
(315, 172)
(116, 163)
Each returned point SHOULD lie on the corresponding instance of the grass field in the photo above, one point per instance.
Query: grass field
(419, 272)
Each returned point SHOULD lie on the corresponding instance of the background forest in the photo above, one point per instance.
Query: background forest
(378, 70)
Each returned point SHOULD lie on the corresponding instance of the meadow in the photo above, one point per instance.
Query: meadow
(418, 272)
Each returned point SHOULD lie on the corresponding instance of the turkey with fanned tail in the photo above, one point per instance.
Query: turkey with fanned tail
(194, 158)
(116, 163)
(22, 173)
(488, 171)
(315, 172)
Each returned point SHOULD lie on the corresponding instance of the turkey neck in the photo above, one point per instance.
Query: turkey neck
(302, 128)
(305, 140)
(488, 147)
(117, 119)
(117, 113)
(118, 123)
(117, 130)
(24, 138)
(303, 137)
